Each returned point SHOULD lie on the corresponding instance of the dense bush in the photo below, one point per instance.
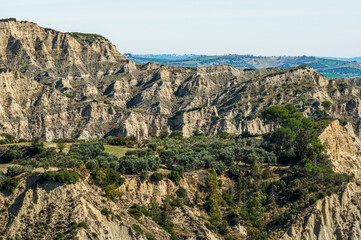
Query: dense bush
(157, 176)
(10, 184)
(174, 176)
(10, 155)
(106, 176)
(16, 170)
(121, 141)
(62, 176)
(133, 164)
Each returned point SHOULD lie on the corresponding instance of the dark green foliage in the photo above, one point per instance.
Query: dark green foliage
(16, 170)
(150, 236)
(8, 20)
(10, 184)
(60, 236)
(62, 176)
(144, 175)
(121, 141)
(174, 176)
(92, 164)
(75, 225)
(177, 134)
(94, 235)
(163, 134)
(223, 230)
(11, 154)
(133, 164)
(137, 211)
(85, 150)
(4, 70)
(167, 156)
(181, 192)
(37, 146)
(157, 177)
(109, 180)
(82, 225)
(274, 114)
(137, 229)
(214, 198)
(197, 133)
(118, 217)
(87, 38)
(106, 212)
(8, 138)
(2, 176)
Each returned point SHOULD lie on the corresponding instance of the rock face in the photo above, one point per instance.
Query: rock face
(74, 85)
(337, 216)
(341, 146)
(42, 210)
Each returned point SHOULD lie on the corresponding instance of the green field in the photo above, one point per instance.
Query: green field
(118, 151)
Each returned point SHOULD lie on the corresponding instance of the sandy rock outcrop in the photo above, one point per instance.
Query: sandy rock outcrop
(40, 210)
(341, 146)
(337, 216)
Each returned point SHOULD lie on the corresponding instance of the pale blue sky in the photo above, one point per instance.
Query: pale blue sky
(259, 27)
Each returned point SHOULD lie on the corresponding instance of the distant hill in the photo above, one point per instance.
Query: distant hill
(357, 59)
(327, 66)
(164, 56)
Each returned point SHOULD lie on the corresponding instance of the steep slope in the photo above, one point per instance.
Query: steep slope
(337, 216)
(45, 210)
(79, 86)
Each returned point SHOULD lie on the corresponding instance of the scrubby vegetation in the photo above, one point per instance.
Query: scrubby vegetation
(274, 177)
(84, 38)
(62, 176)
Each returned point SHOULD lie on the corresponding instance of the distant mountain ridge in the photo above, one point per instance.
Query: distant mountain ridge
(330, 67)
(357, 59)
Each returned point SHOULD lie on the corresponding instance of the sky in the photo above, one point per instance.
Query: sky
(258, 27)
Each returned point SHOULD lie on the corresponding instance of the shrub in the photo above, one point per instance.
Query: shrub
(313, 199)
(181, 192)
(92, 164)
(174, 176)
(95, 235)
(321, 195)
(163, 134)
(106, 212)
(60, 236)
(137, 211)
(10, 184)
(83, 225)
(37, 146)
(62, 176)
(223, 230)
(150, 236)
(16, 170)
(157, 176)
(9, 138)
(137, 229)
(106, 176)
(144, 175)
(10, 155)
